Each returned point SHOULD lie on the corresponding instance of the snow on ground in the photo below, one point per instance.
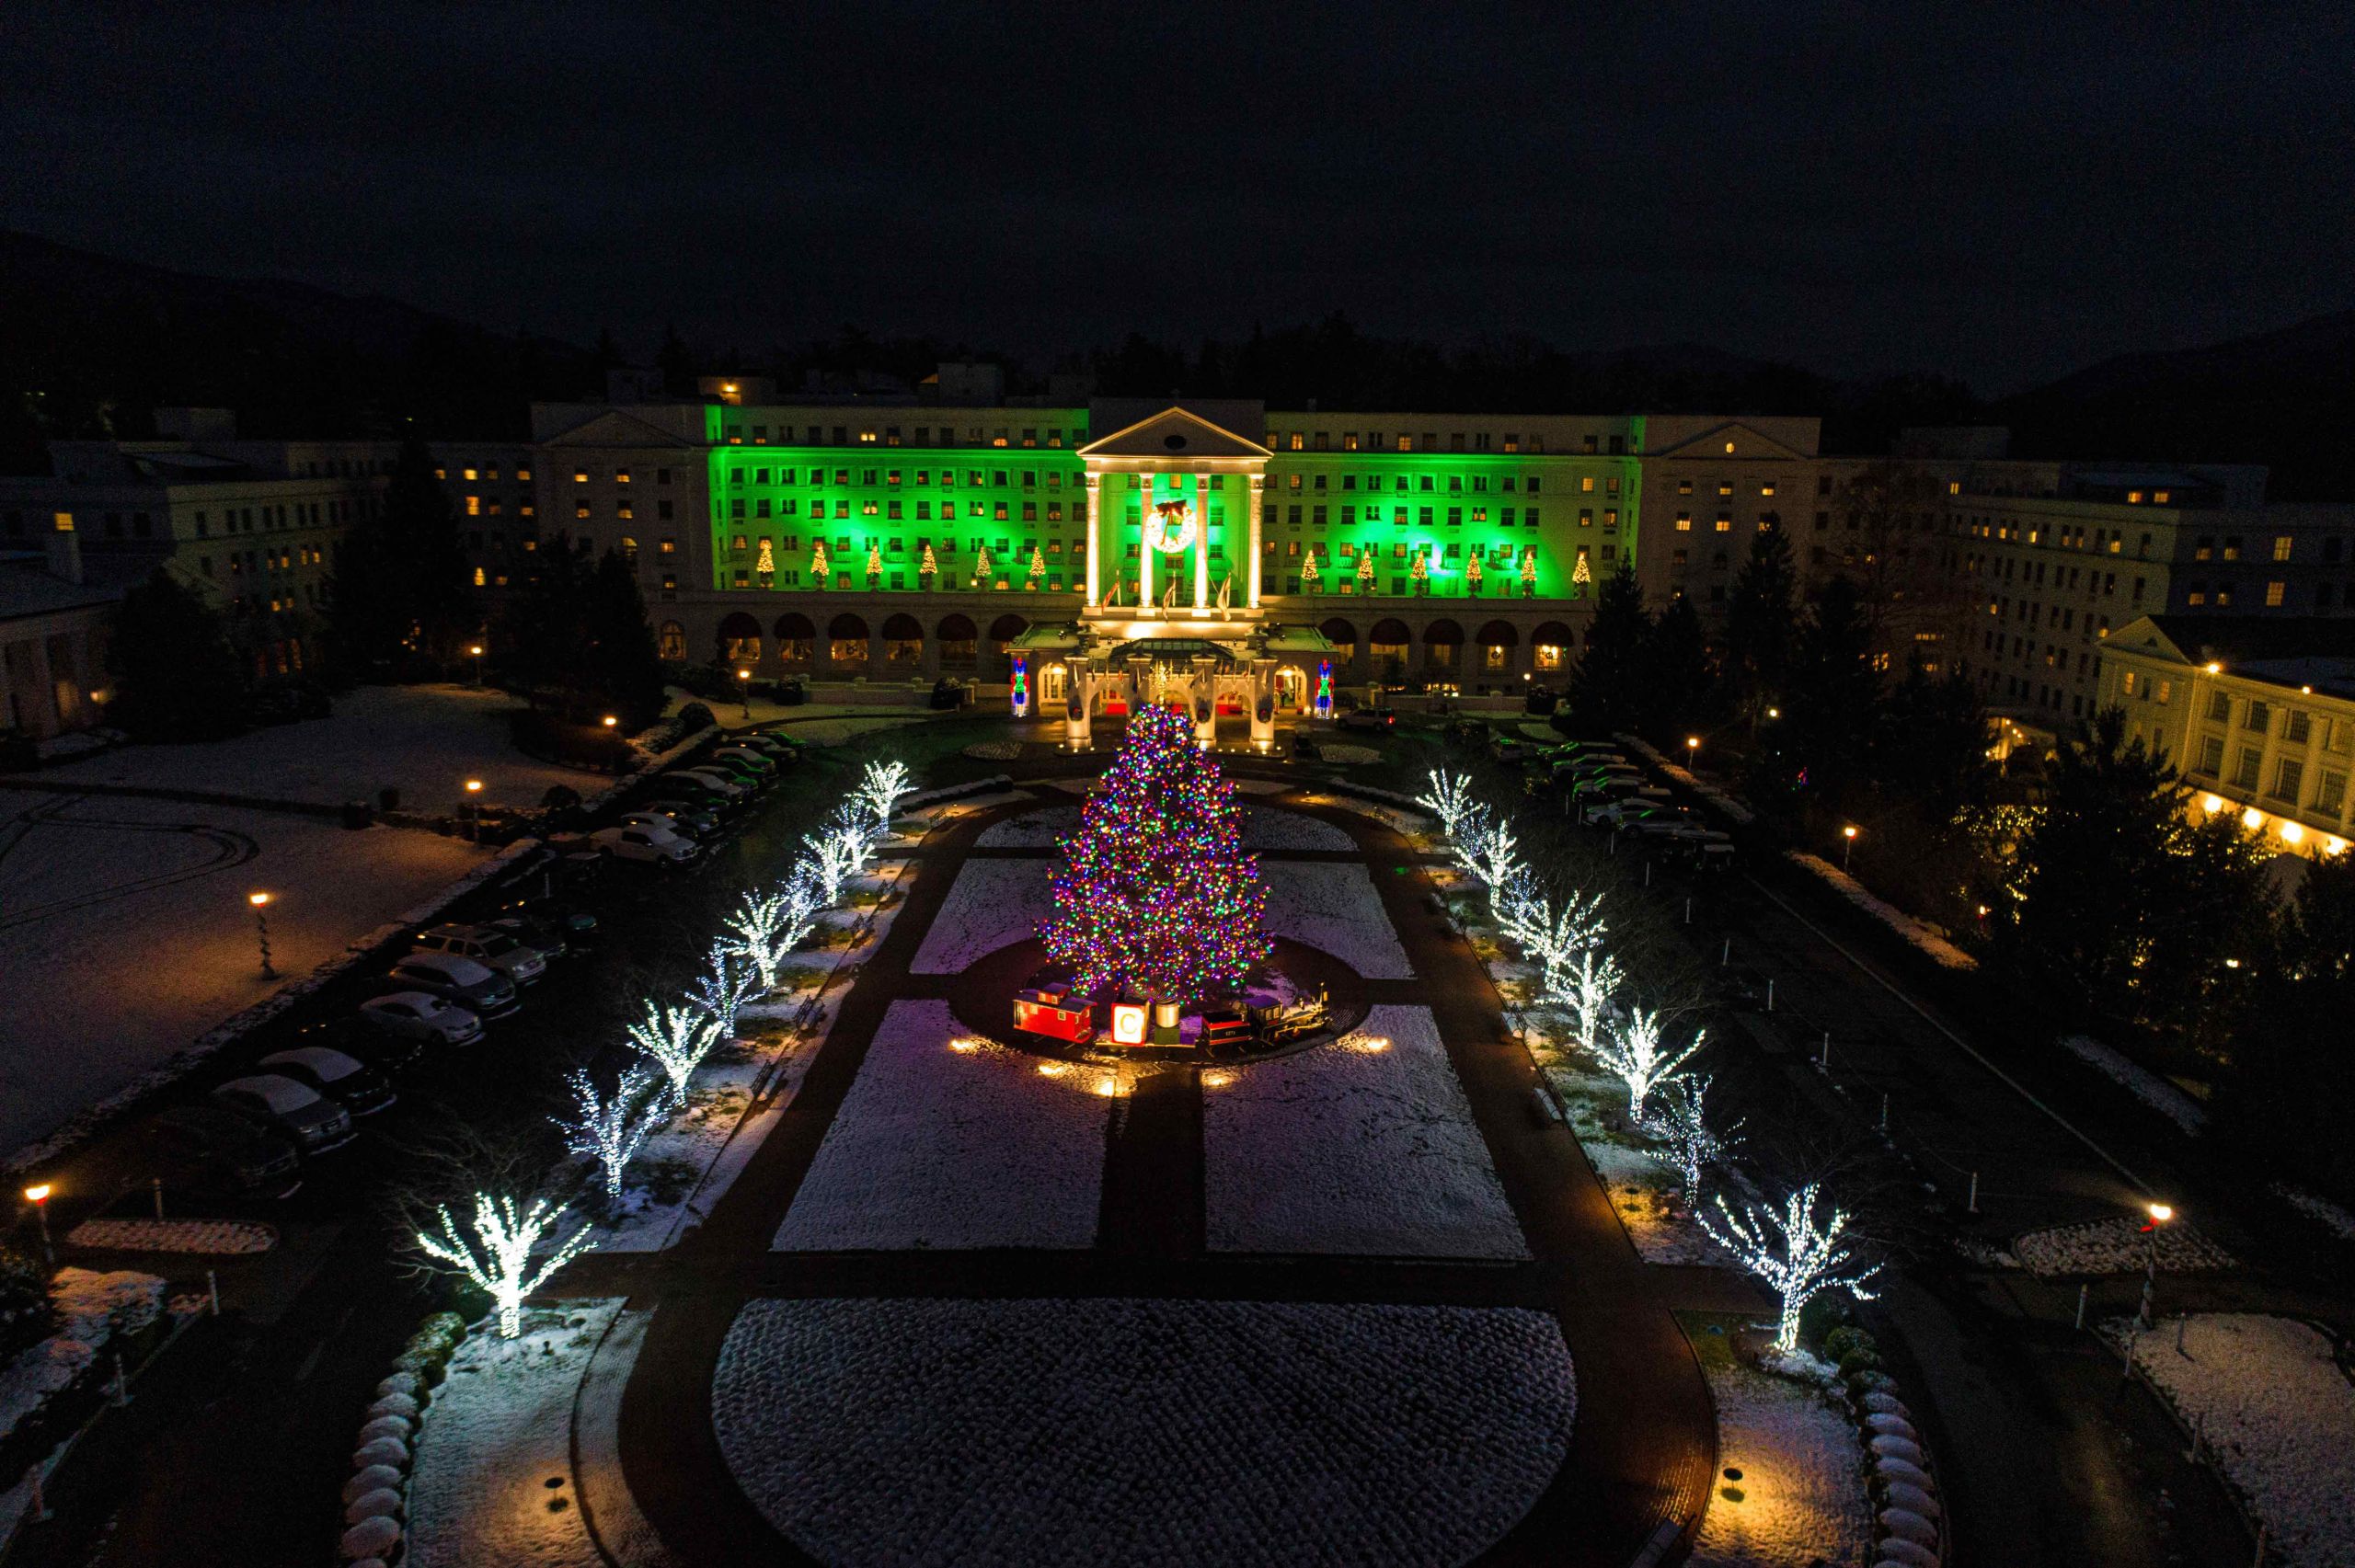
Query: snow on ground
(125, 933)
(1053, 1432)
(1332, 905)
(2118, 1246)
(992, 903)
(2276, 1412)
(1801, 1499)
(704, 1148)
(1354, 1148)
(1263, 829)
(422, 740)
(1942, 951)
(92, 1308)
(937, 1147)
(214, 1237)
(1043, 830)
(1266, 827)
(2316, 1208)
(2139, 1081)
(495, 1433)
(1346, 754)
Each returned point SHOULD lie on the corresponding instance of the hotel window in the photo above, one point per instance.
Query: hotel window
(2245, 775)
(1725, 523)
(2329, 790)
(2289, 776)
(2282, 546)
(1586, 484)
(2297, 727)
(2275, 592)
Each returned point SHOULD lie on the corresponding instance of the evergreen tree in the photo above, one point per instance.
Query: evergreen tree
(176, 676)
(1831, 709)
(543, 631)
(624, 664)
(1606, 691)
(1157, 892)
(2117, 895)
(422, 532)
(1931, 749)
(1761, 623)
(2289, 1088)
(677, 365)
(1678, 684)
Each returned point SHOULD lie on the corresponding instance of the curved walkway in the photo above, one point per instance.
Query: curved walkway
(1642, 1452)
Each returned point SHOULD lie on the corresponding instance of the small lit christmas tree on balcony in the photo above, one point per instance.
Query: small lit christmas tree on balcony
(1365, 571)
(873, 566)
(817, 565)
(1157, 894)
(930, 568)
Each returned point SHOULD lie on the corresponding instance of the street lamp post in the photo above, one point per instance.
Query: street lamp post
(475, 649)
(2160, 1214)
(260, 901)
(38, 1195)
(472, 804)
(1692, 749)
(744, 688)
(1847, 844)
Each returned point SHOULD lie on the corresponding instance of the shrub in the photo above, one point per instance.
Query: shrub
(27, 1315)
(1864, 1358)
(1845, 1338)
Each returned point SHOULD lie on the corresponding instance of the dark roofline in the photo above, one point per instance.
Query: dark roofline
(2237, 639)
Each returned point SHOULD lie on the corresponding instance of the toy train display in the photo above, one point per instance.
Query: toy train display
(1054, 1009)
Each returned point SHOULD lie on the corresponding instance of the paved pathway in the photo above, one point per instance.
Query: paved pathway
(1642, 1451)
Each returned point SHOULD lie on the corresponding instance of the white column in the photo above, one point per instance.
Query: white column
(1145, 550)
(1202, 541)
(1091, 539)
(1251, 500)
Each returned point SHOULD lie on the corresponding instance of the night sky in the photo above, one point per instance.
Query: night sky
(1999, 194)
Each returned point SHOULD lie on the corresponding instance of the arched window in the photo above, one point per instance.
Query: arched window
(795, 637)
(903, 641)
(846, 640)
(740, 639)
(670, 640)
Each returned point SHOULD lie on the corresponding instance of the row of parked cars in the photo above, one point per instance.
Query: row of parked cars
(681, 811)
(252, 1134)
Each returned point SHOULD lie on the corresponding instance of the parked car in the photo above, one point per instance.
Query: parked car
(1378, 719)
(362, 1041)
(485, 992)
(668, 822)
(679, 816)
(491, 948)
(216, 1150)
(718, 785)
(555, 913)
(735, 771)
(752, 756)
(550, 941)
(1505, 749)
(316, 1122)
(649, 846)
(423, 1016)
(775, 746)
(359, 1089)
(675, 789)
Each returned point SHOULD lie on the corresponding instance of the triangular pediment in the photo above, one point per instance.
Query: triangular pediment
(616, 428)
(1748, 443)
(1174, 433)
(2145, 634)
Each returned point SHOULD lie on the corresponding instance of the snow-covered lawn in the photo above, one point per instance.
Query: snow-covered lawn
(994, 902)
(1365, 1146)
(2316, 1208)
(937, 1147)
(214, 1237)
(422, 740)
(125, 933)
(1268, 828)
(92, 1308)
(2279, 1414)
(1801, 1499)
(1943, 953)
(1332, 905)
(1042, 1432)
(702, 1147)
(495, 1433)
(1041, 829)
(2139, 1081)
(2118, 1246)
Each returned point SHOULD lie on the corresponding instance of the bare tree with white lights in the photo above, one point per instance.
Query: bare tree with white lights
(1798, 1259)
(1644, 1063)
(608, 1131)
(495, 1252)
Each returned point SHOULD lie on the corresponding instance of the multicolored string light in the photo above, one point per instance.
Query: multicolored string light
(1157, 893)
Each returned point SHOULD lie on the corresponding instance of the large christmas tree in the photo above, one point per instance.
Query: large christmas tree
(1158, 894)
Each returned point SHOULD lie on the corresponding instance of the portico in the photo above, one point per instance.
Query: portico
(1174, 492)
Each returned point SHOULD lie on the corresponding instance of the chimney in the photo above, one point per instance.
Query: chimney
(63, 548)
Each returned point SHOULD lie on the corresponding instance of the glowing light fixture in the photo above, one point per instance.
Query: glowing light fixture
(1128, 1020)
(2252, 818)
